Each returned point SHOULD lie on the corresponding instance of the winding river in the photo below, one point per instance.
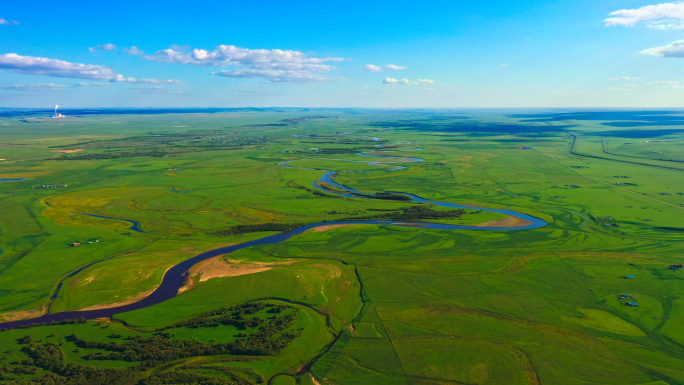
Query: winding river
(175, 276)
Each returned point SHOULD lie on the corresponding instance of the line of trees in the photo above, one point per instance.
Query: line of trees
(271, 339)
(237, 316)
(244, 229)
(386, 196)
(412, 213)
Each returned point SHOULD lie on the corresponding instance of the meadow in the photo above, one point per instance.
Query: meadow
(374, 304)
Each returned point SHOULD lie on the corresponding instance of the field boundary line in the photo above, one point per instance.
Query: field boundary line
(573, 152)
(608, 184)
(605, 151)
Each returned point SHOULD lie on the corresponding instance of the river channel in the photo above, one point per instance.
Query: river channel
(175, 276)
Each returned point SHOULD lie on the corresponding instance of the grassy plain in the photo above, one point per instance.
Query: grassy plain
(410, 305)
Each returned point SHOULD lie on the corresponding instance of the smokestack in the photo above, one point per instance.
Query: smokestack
(56, 107)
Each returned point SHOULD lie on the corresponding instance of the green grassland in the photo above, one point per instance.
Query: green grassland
(375, 304)
(309, 325)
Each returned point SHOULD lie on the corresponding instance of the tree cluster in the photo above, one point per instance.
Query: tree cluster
(386, 196)
(244, 229)
(270, 338)
(224, 316)
(412, 213)
(51, 358)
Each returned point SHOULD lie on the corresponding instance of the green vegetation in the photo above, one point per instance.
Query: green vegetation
(140, 358)
(243, 229)
(345, 304)
(386, 196)
(413, 213)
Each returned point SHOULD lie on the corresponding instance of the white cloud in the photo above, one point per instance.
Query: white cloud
(395, 67)
(395, 81)
(374, 68)
(624, 78)
(276, 75)
(103, 47)
(122, 79)
(664, 82)
(620, 89)
(30, 65)
(371, 68)
(670, 87)
(133, 50)
(229, 55)
(8, 22)
(504, 65)
(660, 16)
(276, 65)
(36, 87)
(406, 82)
(675, 49)
(82, 84)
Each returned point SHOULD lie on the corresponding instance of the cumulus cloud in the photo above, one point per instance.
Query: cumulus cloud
(396, 81)
(660, 16)
(623, 78)
(395, 67)
(8, 22)
(122, 79)
(406, 82)
(36, 87)
(30, 65)
(229, 55)
(276, 65)
(664, 82)
(675, 49)
(102, 47)
(133, 50)
(371, 68)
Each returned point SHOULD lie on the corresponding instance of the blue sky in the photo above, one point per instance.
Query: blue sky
(336, 54)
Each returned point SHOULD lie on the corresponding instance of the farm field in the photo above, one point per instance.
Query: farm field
(368, 287)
